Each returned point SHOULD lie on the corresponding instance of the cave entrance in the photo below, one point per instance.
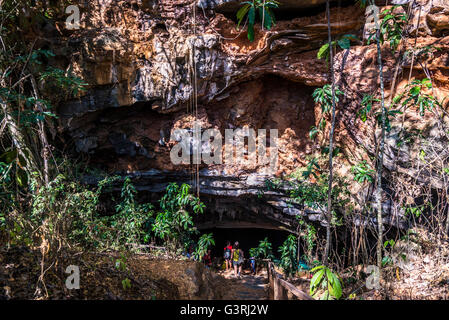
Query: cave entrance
(247, 237)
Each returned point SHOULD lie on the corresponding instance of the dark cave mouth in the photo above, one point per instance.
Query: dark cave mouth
(247, 237)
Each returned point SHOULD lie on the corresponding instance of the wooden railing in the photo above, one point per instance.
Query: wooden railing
(281, 288)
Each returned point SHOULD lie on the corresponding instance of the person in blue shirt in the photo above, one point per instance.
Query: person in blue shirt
(252, 261)
(190, 252)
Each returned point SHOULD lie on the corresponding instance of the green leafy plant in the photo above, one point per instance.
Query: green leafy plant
(274, 184)
(204, 243)
(325, 150)
(130, 217)
(314, 195)
(31, 177)
(392, 257)
(344, 42)
(326, 283)
(391, 27)
(314, 131)
(288, 251)
(389, 243)
(63, 206)
(11, 170)
(251, 8)
(126, 284)
(323, 96)
(415, 211)
(66, 212)
(64, 80)
(366, 107)
(120, 264)
(389, 115)
(35, 57)
(312, 168)
(416, 96)
(253, 252)
(386, 260)
(175, 224)
(263, 251)
(363, 172)
(310, 232)
(311, 237)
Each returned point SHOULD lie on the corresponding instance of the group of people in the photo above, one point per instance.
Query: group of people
(234, 257)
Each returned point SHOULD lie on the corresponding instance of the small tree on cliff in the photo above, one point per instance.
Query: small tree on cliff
(380, 157)
(174, 224)
(288, 251)
(251, 8)
(331, 142)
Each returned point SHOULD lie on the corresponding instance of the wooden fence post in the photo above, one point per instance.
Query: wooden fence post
(282, 289)
(277, 288)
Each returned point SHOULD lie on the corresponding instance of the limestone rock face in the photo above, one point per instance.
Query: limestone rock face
(438, 19)
(142, 59)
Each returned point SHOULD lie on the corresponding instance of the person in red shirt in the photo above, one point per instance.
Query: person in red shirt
(227, 255)
(207, 259)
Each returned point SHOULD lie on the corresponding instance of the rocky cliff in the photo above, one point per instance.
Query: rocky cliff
(156, 65)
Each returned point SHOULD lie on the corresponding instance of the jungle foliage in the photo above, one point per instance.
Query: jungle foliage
(251, 9)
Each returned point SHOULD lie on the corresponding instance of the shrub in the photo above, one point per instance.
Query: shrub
(174, 224)
(326, 282)
(416, 96)
(391, 28)
(362, 172)
(263, 251)
(288, 252)
(251, 8)
(205, 241)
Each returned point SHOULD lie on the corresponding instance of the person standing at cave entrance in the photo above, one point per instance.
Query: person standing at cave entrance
(227, 255)
(207, 259)
(190, 251)
(237, 259)
(252, 261)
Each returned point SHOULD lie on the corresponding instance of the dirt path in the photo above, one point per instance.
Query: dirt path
(249, 287)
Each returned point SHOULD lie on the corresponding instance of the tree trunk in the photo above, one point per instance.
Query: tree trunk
(380, 157)
(331, 141)
(42, 135)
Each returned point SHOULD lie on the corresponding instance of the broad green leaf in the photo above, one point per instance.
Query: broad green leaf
(335, 287)
(251, 32)
(316, 280)
(344, 43)
(251, 16)
(241, 14)
(323, 52)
